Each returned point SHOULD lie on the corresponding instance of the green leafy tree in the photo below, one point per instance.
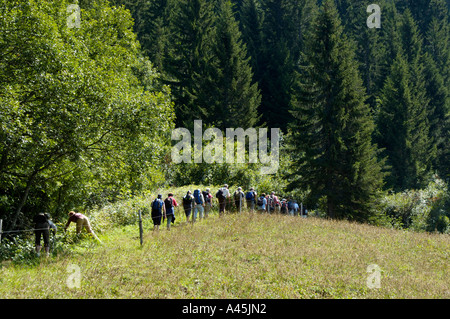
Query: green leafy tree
(84, 108)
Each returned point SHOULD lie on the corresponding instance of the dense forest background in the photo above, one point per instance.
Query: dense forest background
(87, 113)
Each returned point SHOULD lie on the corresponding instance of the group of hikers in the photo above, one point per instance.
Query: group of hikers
(200, 203)
(197, 204)
(43, 224)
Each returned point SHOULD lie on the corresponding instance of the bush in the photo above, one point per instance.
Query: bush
(18, 249)
(419, 210)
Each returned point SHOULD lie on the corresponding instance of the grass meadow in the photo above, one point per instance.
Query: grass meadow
(245, 255)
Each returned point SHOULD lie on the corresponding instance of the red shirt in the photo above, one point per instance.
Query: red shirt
(74, 218)
(174, 202)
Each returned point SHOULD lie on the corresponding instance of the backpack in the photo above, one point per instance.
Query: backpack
(187, 201)
(271, 201)
(156, 205)
(249, 196)
(260, 201)
(291, 205)
(206, 196)
(237, 195)
(284, 207)
(197, 197)
(40, 219)
(220, 194)
(169, 203)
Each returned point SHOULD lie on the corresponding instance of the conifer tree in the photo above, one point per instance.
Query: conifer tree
(279, 55)
(437, 38)
(190, 63)
(238, 97)
(437, 69)
(251, 21)
(331, 139)
(370, 48)
(438, 113)
(151, 22)
(403, 129)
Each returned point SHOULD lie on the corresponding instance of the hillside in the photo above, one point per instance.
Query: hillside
(242, 256)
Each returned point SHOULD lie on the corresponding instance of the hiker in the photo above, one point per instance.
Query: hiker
(188, 200)
(199, 204)
(52, 226)
(250, 197)
(238, 198)
(261, 203)
(41, 229)
(81, 221)
(170, 203)
(158, 211)
(292, 207)
(272, 203)
(208, 201)
(284, 206)
(222, 195)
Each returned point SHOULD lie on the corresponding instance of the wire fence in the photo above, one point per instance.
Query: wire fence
(180, 208)
(21, 230)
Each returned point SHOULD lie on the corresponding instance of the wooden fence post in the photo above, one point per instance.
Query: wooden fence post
(140, 226)
(1, 225)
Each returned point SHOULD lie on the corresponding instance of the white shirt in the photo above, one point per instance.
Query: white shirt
(225, 192)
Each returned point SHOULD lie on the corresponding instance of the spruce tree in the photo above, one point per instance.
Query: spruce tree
(403, 129)
(238, 97)
(332, 136)
(190, 62)
(428, 93)
(370, 48)
(438, 112)
(279, 55)
(437, 38)
(151, 22)
(251, 21)
(437, 72)
(390, 38)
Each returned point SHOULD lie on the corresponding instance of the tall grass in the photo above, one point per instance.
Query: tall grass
(243, 256)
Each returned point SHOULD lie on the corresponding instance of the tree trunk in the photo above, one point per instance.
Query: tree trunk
(23, 200)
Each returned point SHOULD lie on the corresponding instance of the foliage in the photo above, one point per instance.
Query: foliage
(86, 113)
(332, 131)
(83, 114)
(426, 209)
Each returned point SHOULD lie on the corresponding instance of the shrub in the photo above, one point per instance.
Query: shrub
(419, 210)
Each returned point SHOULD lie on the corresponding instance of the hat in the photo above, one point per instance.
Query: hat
(159, 196)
